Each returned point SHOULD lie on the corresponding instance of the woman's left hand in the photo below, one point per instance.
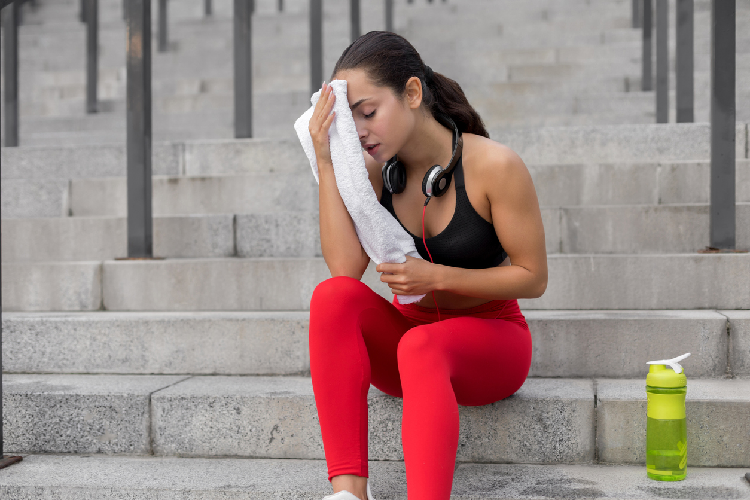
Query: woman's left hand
(413, 277)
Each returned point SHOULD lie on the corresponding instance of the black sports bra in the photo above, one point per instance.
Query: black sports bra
(468, 241)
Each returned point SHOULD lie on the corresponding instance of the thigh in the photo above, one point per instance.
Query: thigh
(489, 359)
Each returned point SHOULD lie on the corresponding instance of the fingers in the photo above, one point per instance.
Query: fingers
(322, 116)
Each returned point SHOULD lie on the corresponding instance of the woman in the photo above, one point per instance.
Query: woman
(466, 342)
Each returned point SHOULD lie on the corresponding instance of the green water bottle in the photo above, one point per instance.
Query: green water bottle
(666, 430)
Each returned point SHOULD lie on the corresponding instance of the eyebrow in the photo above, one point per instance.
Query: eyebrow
(359, 102)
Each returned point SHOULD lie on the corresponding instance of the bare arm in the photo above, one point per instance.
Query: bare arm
(339, 243)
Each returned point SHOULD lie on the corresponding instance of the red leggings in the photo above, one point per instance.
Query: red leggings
(471, 357)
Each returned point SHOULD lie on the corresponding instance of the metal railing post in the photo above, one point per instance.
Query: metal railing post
(646, 73)
(662, 61)
(243, 69)
(722, 222)
(92, 54)
(637, 19)
(389, 15)
(281, 5)
(355, 19)
(207, 8)
(684, 62)
(82, 14)
(10, 69)
(163, 35)
(316, 45)
(140, 221)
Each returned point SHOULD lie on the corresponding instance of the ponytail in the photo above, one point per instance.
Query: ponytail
(390, 60)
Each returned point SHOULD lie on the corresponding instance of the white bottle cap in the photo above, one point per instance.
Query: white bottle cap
(671, 362)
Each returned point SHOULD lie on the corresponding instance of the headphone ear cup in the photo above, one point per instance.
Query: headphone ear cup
(441, 183)
(396, 177)
(428, 183)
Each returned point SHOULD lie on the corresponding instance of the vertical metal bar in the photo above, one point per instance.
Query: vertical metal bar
(125, 10)
(389, 15)
(140, 222)
(243, 69)
(316, 45)
(722, 222)
(163, 35)
(10, 69)
(207, 8)
(647, 79)
(281, 5)
(662, 61)
(355, 18)
(82, 14)
(92, 54)
(637, 15)
(684, 62)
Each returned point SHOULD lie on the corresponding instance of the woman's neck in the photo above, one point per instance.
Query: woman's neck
(429, 144)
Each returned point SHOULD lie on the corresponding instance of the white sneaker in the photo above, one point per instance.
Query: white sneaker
(346, 495)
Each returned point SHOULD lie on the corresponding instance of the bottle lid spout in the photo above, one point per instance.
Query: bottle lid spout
(673, 363)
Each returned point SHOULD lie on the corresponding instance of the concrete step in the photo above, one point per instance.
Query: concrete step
(152, 478)
(103, 238)
(536, 146)
(264, 193)
(603, 281)
(629, 229)
(611, 344)
(113, 414)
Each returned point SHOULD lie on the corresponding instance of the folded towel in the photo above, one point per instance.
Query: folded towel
(381, 236)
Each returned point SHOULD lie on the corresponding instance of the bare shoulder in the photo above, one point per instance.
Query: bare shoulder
(498, 166)
(374, 170)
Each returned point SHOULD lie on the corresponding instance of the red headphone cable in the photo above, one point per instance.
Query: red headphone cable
(424, 208)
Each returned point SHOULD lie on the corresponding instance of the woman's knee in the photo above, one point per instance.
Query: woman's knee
(337, 290)
(418, 346)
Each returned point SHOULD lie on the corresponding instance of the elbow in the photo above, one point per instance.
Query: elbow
(540, 288)
(350, 269)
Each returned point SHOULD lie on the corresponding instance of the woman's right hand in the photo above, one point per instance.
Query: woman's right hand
(320, 122)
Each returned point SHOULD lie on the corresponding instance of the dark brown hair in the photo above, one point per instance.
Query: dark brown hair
(390, 60)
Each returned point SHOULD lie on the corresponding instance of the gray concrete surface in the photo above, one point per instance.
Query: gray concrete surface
(717, 413)
(547, 420)
(79, 413)
(216, 194)
(618, 343)
(152, 478)
(739, 338)
(228, 343)
(103, 238)
(52, 286)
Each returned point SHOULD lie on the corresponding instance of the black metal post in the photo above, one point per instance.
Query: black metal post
(355, 18)
(722, 222)
(10, 63)
(10, 56)
(684, 62)
(92, 54)
(140, 221)
(662, 61)
(163, 36)
(389, 15)
(637, 15)
(125, 10)
(281, 5)
(243, 69)
(316, 45)
(646, 73)
(207, 8)
(82, 14)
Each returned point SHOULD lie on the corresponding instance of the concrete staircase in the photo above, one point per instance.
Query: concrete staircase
(188, 377)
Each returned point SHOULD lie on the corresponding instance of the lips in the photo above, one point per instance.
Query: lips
(372, 149)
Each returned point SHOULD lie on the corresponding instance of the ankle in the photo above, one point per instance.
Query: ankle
(356, 485)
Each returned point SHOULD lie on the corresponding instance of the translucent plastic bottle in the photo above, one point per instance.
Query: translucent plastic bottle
(666, 430)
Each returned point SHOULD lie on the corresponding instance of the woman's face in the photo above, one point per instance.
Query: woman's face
(384, 121)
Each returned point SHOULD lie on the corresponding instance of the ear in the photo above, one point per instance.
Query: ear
(413, 92)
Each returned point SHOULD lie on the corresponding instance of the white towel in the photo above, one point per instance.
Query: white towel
(381, 236)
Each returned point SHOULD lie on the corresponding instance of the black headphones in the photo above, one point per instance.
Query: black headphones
(437, 179)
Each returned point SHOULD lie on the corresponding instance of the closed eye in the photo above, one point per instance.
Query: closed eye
(370, 115)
